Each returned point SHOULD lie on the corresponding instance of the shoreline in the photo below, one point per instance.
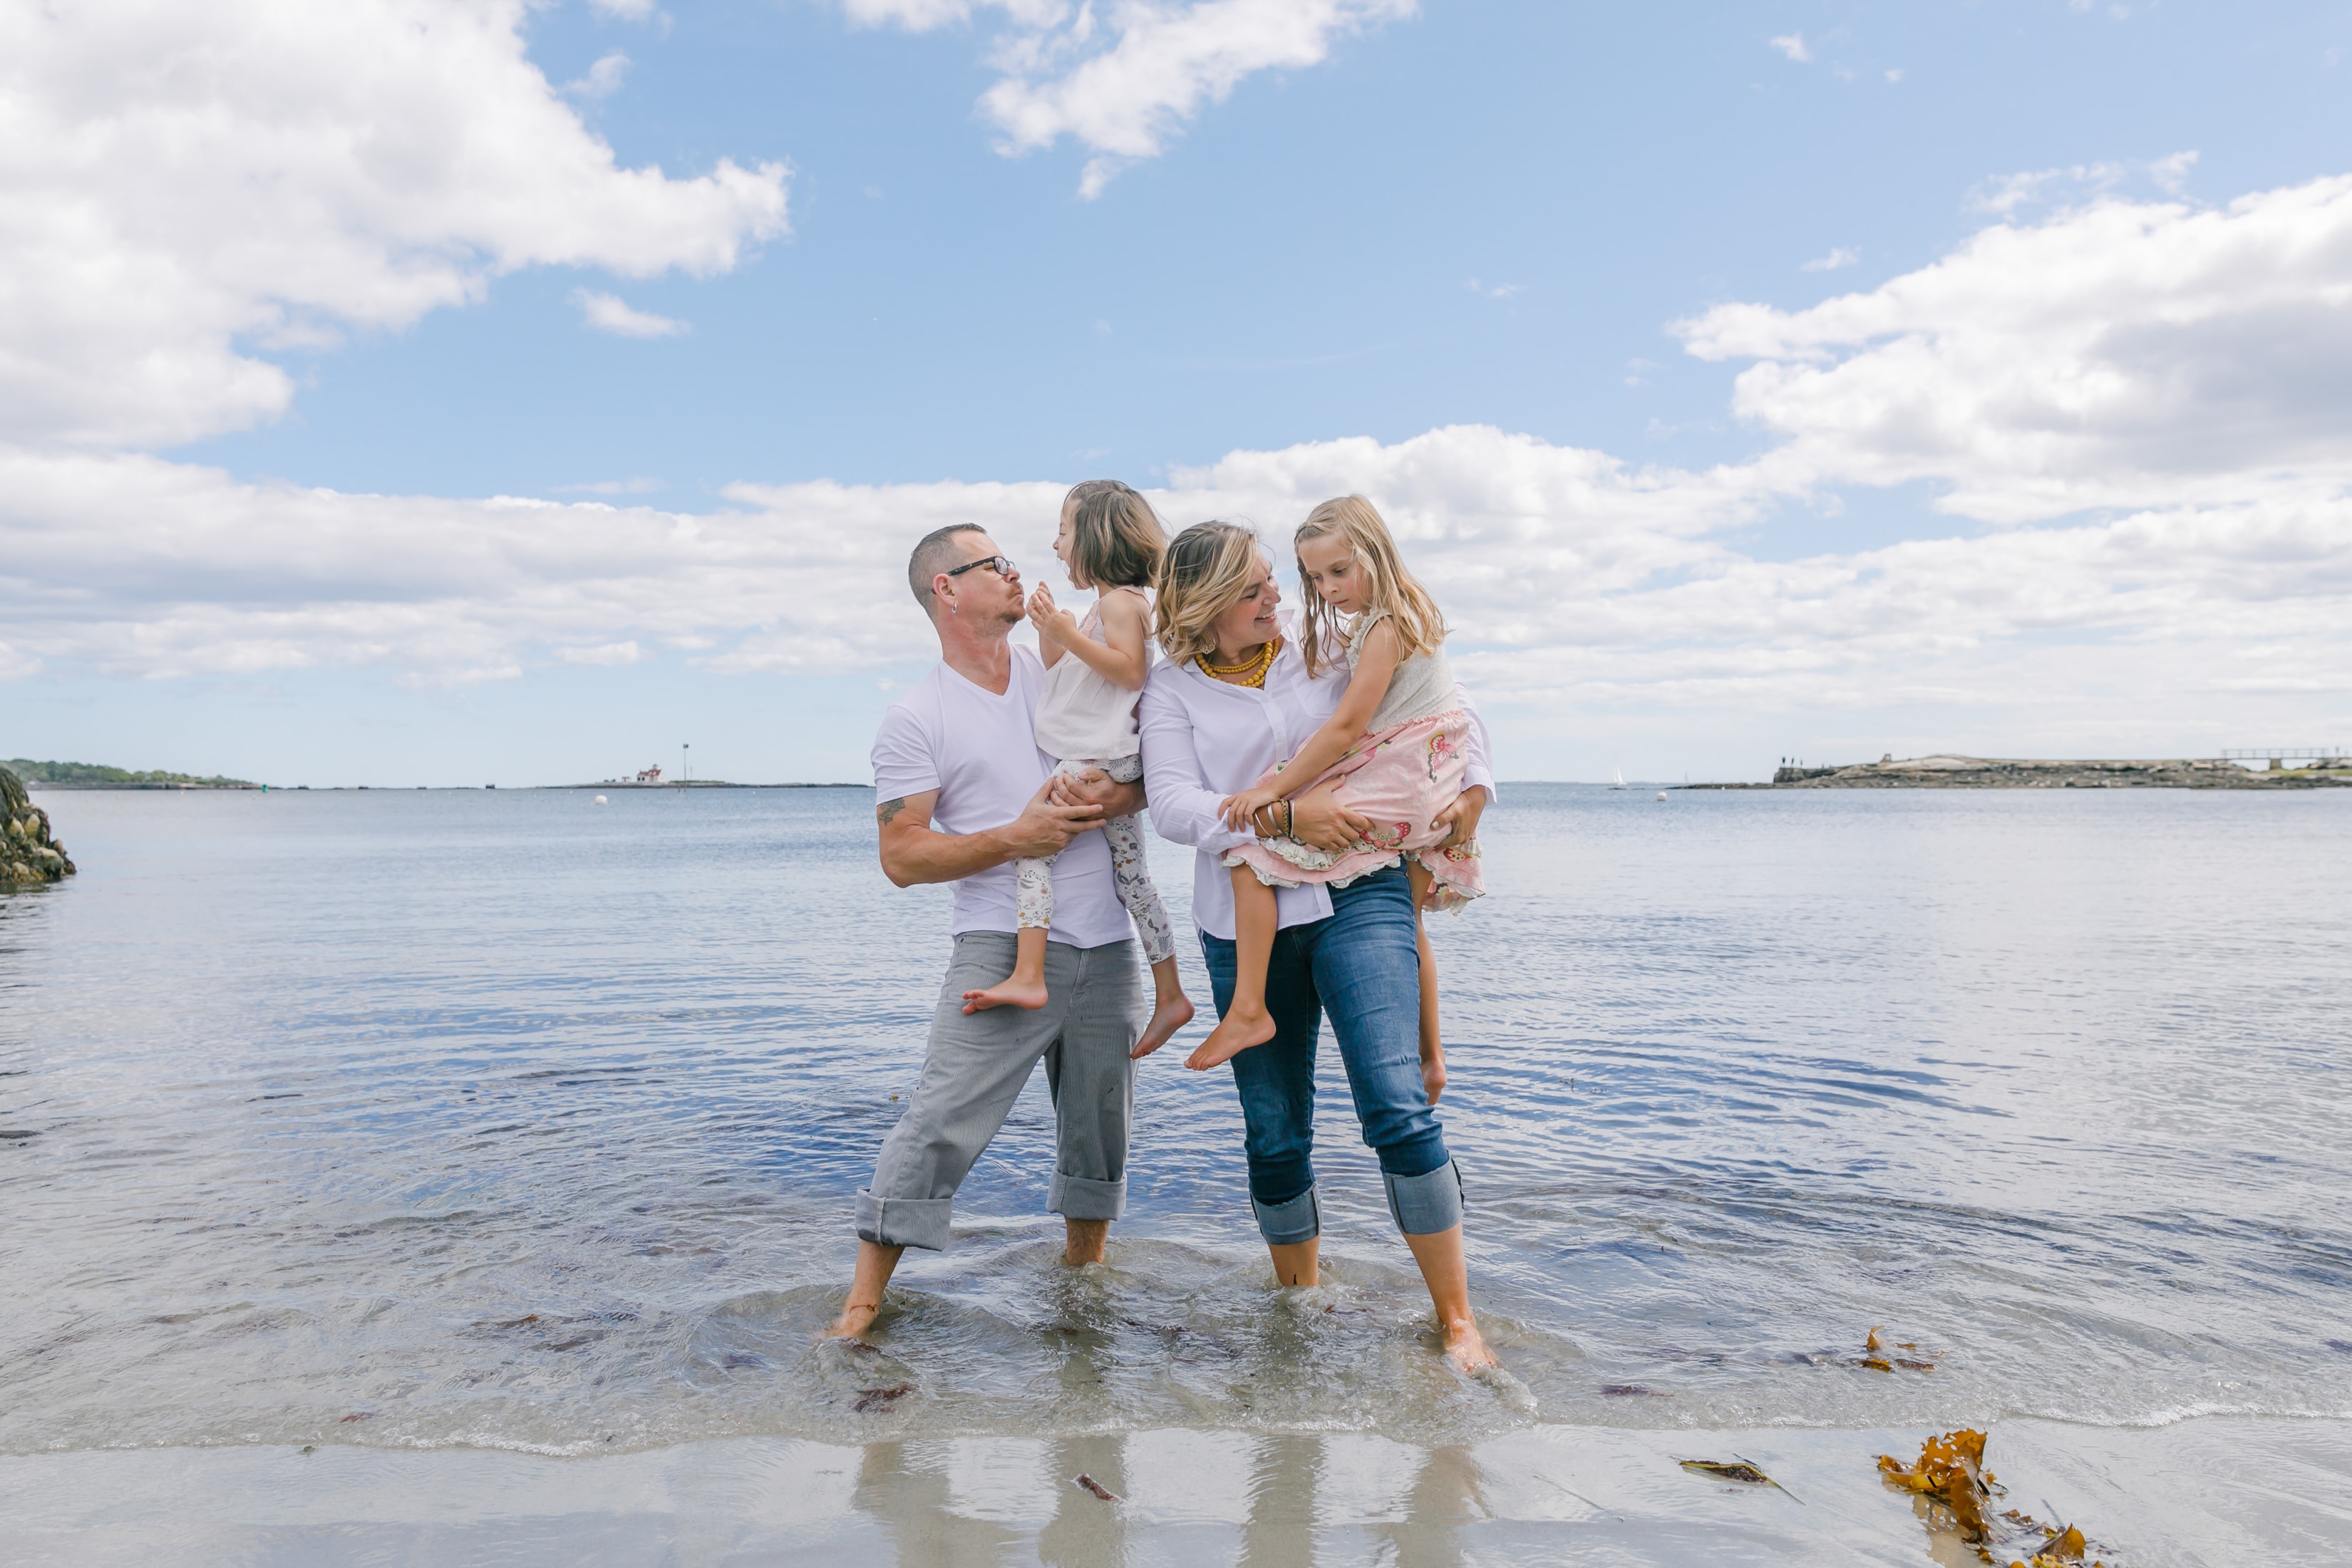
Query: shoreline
(415, 789)
(1952, 771)
(2202, 1489)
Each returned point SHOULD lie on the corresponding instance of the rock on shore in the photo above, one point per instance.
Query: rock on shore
(2025, 772)
(28, 856)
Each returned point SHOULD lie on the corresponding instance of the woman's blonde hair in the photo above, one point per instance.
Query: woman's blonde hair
(1116, 539)
(1207, 569)
(1388, 585)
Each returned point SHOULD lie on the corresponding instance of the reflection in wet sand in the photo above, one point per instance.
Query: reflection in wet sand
(1284, 1475)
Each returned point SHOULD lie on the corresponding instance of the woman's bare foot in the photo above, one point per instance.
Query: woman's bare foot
(1171, 1014)
(1433, 1074)
(1466, 1348)
(1011, 992)
(1236, 1032)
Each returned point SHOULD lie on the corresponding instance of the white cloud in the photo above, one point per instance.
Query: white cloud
(608, 313)
(2122, 356)
(1496, 290)
(184, 188)
(1839, 255)
(1125, 80)
(626, 10)
(2147, 399)
(1794, 46)
(1893, 76)
(611, 653)
(2003, 195)
(604, 78)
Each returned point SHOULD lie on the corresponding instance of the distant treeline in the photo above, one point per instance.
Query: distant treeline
(34, 773)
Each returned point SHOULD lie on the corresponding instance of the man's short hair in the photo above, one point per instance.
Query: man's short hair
(933, 554)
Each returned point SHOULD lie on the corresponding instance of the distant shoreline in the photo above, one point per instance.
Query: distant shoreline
(1954, 772)
(412, 789)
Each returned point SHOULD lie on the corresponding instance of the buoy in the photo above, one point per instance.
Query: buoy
(1661, 794)
(600, 800)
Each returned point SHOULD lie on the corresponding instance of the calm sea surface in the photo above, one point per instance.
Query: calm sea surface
(410, 1119)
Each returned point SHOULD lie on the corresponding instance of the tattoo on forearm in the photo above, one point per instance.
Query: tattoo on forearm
(888, 809)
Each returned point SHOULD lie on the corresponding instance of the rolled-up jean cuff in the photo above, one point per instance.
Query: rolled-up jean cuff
(904, 1222)
(1288, 1224)
(1083, 1198)
(1424, 1205)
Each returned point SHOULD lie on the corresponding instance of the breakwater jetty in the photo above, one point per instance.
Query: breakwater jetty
(1954, 772)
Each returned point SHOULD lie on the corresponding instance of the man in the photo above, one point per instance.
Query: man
(962, 792)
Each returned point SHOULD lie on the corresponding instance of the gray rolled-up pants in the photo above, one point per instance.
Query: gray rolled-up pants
(973, 1070)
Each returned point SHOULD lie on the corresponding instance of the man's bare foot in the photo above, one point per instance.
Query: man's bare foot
(1011, 992)
(856, 1318)
(1235, 1033)
(1172, 1014)
(1432, 1075)
(1466, 1348)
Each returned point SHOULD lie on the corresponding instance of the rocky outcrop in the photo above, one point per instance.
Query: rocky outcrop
(28, 856)
(2023, 772)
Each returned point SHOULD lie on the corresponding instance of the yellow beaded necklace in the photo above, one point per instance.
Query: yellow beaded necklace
(1252, 670)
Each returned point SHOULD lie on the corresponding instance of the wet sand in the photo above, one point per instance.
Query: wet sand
(2220, 1490)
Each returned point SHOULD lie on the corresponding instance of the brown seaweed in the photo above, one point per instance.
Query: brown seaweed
(870, 1400)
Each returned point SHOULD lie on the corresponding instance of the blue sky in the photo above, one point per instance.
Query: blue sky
(1459, 216)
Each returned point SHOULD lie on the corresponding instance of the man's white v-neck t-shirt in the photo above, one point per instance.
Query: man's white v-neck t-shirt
(980, 752)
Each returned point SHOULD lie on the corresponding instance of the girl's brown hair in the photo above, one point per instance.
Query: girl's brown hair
(1116, 539)
(1205, 571)
(1388, 585)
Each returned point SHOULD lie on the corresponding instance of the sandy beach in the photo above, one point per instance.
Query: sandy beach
(2220, 1490)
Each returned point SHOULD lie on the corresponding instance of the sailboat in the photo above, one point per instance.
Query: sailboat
(1621, 778)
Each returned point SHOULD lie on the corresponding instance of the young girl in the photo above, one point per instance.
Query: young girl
(1397, 742)
(1111, 543)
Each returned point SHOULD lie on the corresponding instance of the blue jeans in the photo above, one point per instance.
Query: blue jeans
(1364, 968)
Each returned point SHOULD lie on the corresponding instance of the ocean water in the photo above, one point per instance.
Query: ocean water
(502, 1119)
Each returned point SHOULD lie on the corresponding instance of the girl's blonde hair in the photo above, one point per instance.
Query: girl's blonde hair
(1116, 539)
(1388, 585)
(1207, 569)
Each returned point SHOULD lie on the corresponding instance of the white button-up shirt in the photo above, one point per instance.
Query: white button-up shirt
(1204, 740)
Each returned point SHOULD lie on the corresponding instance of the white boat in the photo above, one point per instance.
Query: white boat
(1621, 778)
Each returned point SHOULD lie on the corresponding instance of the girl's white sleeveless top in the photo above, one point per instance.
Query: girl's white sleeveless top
(1422, 688)
(1082, 713)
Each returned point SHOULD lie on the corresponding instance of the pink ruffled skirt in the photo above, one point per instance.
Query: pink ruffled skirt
(1401, 778)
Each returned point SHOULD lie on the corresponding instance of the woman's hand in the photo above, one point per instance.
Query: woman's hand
(1240, 809)
(1318, 818)
(1058, 625)
(1461, 819)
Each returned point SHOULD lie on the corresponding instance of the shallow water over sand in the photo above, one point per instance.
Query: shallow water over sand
(413, 1120)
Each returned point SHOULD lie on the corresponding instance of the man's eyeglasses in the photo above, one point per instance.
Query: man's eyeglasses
(1000, 565)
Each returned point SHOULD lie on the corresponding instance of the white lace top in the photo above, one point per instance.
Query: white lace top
(1422, 688)
(1083, 715)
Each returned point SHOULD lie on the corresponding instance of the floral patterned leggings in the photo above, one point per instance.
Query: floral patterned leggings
(1033, 875)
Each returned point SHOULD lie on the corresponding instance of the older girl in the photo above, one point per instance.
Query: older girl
(1396, 742)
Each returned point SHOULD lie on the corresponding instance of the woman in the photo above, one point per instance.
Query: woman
(1233, 698)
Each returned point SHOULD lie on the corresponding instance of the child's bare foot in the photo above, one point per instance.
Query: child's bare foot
(1235, 1033)
(1011, 992)
(1466, 1347)
(1172, 1014)
(1432, 1075)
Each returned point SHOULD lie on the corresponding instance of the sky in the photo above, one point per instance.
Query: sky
(455, 391)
